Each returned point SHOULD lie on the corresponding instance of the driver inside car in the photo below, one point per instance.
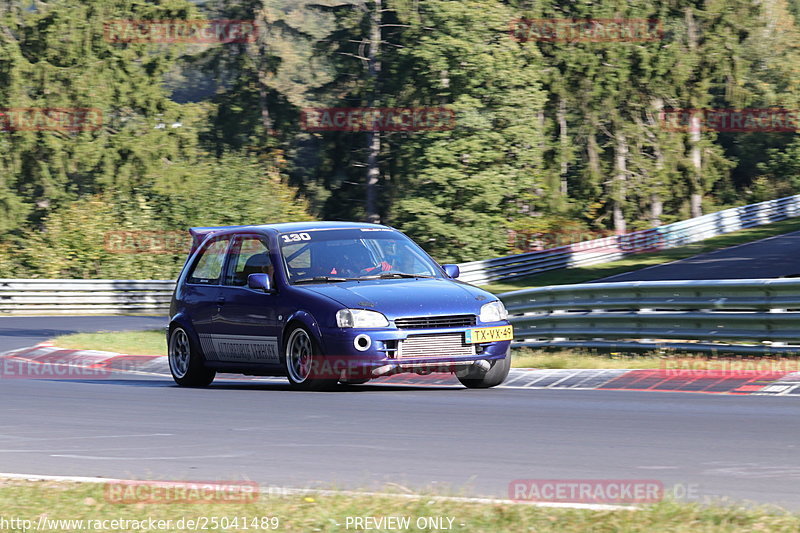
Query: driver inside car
(356, 260)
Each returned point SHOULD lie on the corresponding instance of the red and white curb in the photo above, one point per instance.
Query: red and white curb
(740, 382)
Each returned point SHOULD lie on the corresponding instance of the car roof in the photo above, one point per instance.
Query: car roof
(308, 226)
(199, 233)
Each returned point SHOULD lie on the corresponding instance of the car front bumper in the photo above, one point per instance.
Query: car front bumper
(385, 354)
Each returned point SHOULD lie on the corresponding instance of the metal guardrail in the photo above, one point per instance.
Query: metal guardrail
(615, 247)
(755, 316)
(70, 296)
(67, 296)
(739, 316)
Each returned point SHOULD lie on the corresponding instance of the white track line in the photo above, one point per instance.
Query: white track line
(323, 492)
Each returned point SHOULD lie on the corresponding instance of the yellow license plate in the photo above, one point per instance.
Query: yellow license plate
(497, 333)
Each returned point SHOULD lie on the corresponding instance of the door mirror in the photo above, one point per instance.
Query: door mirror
(452, 270)
(259, 281)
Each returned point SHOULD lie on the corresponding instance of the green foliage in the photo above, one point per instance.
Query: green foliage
(145, 169)
(549, 136)
(458, 188)
(75, 241)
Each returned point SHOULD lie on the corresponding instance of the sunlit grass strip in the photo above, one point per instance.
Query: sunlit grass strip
(48, 501)
(150, 342)
(568, 359)
(153, 343)
(637, 261)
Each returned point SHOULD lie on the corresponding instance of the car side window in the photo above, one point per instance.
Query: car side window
(208, 268)
(250, 256)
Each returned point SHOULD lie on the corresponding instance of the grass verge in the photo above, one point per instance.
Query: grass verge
(30, 500)
(152, 343)
(637, 261)
(528, 358)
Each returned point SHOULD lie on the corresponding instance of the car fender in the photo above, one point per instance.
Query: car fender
(182, 320)
(307, 320)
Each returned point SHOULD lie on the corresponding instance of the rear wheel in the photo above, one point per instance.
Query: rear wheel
(476, 378)
(304, 364)
(185, 361)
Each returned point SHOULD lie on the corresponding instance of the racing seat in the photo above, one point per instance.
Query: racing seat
(257, 264)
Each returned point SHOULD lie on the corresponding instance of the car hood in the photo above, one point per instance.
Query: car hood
(407, 297)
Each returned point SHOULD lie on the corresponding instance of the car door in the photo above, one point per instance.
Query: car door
(245, 328)
(202, 292)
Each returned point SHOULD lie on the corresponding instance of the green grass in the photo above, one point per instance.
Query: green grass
(526, 358)
(151, 342)
(28, 500)
(637, 261)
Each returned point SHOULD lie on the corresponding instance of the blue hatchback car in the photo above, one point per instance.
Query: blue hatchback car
(328, 302)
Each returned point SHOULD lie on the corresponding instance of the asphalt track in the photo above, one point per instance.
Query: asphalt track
(773, 257)
(19, 332)
(448, 439)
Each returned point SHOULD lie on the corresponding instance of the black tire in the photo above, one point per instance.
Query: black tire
(476, 378)
(186, 364)
(302, 360)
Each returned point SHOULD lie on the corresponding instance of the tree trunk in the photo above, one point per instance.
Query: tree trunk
(695, 182)
(618, 185)
(564, 141)
(656, 203)
(696, 197)
(266, 120)
(373, 137)
(656, 209)
(593, 153)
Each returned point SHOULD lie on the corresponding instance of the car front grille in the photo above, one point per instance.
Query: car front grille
(437, 345)
(448, 321)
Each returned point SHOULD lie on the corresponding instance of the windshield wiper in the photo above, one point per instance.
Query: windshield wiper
(390, 275)
(319, 279)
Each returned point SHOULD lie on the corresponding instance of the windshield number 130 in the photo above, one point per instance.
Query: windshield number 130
(296, 237)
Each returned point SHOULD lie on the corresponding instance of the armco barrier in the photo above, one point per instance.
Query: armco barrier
(615, 247)
(70, 296)
(755, 316)
(739, 316)
(66, 296)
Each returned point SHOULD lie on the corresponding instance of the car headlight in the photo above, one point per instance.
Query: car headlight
(360, 318)
(493, 312)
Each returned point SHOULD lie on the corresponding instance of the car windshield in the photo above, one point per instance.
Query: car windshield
(327, 256)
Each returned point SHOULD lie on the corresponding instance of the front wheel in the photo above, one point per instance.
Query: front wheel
(186, 363)
(304, 364)
(476, 378)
